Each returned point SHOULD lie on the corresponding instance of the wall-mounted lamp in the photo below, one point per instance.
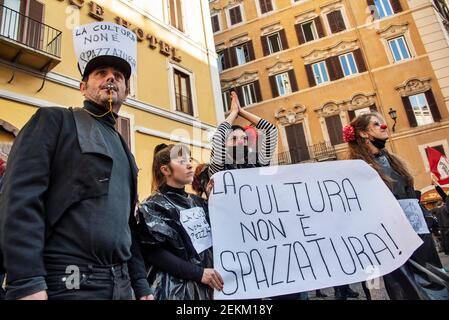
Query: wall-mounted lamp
(393, 115)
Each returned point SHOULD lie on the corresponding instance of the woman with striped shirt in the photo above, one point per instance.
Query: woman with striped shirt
(230, 142)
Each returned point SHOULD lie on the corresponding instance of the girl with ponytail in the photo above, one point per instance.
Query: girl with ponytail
(175, 231)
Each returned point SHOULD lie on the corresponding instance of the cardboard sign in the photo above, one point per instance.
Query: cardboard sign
(104, 39)
(194, 222)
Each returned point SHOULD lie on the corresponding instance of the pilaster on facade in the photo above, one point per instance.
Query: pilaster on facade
(435, 39)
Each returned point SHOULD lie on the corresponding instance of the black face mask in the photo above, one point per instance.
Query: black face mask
(238, 154)
(379, 143)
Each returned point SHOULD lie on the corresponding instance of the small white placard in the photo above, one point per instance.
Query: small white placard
(414, 215)
(195, 223)
(104, 39)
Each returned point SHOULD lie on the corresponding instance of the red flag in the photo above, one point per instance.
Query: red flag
(439, 165)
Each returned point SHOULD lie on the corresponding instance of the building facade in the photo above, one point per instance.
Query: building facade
(310, 66)
(173, 95)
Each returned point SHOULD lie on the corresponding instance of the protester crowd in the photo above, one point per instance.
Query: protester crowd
(68, 197)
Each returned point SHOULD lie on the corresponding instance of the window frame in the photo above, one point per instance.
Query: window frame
(345, 56)
(395, 40)
(259, 8)
(246, 53)
(177, 14)
(382, 2)
(415, 96)
(171, 80)
(314, 30)
(228, 15)
(327, 129)
(226, 98)
(279, 41)
(286, 92)
(220, 25)
(321, 64)
(252, 95)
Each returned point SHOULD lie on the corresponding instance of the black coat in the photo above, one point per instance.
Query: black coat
(58, 159)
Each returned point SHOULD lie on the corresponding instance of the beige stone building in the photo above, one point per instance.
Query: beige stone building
(310, 66)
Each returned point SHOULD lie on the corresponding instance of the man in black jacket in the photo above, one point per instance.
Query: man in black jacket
(67, 224)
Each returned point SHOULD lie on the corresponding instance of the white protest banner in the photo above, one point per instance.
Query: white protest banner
(304, 227)
(104, 39)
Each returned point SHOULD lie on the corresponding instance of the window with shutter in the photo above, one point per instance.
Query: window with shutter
(274, 43)
(351, 114)
(334, 68)
(11, 24)
(292, 78)
(283, 37)
(265, 48)
(348, 64)
(183, 92)
(176, 15)
(258, 92)
(235, 15)
(33, 31)
(249, 94)
(226, 96)
(399, 49)
(283, 84)
(433, 105)
(319, 27)
(320, 72)
(265, 6)
(336, 22)
(409, 112)
(251, 54)
(215, 23)
(359, 60)
(421, 109)
(123, 127)
(242, 53)
(310, 75)
(221, 60)
(383, 9)
(396, 5)
(309, 31)
(273, 86)
(334, 129)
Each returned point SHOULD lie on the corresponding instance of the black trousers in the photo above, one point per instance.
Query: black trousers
(90, 283)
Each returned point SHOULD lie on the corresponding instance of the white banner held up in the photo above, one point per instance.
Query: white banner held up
(308, 226)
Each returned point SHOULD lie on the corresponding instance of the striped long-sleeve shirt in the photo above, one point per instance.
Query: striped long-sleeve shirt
(266, 145)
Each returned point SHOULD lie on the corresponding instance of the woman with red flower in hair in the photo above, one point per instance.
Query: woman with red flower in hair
(366, 136)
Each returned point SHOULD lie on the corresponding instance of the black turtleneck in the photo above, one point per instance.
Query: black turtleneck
(166, 188)
(98, 110)
(96, 230)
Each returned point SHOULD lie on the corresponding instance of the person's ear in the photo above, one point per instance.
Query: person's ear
(364, 134)
(83, 87)
(165, 170)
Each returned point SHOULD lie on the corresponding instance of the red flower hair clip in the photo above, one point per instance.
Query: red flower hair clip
(348, 133)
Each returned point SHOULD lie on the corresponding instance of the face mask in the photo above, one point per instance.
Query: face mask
(238, 154)
(378, 143)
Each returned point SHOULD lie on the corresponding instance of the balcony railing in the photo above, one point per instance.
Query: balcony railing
(442, 7)
(29, 32)
(323, 151)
